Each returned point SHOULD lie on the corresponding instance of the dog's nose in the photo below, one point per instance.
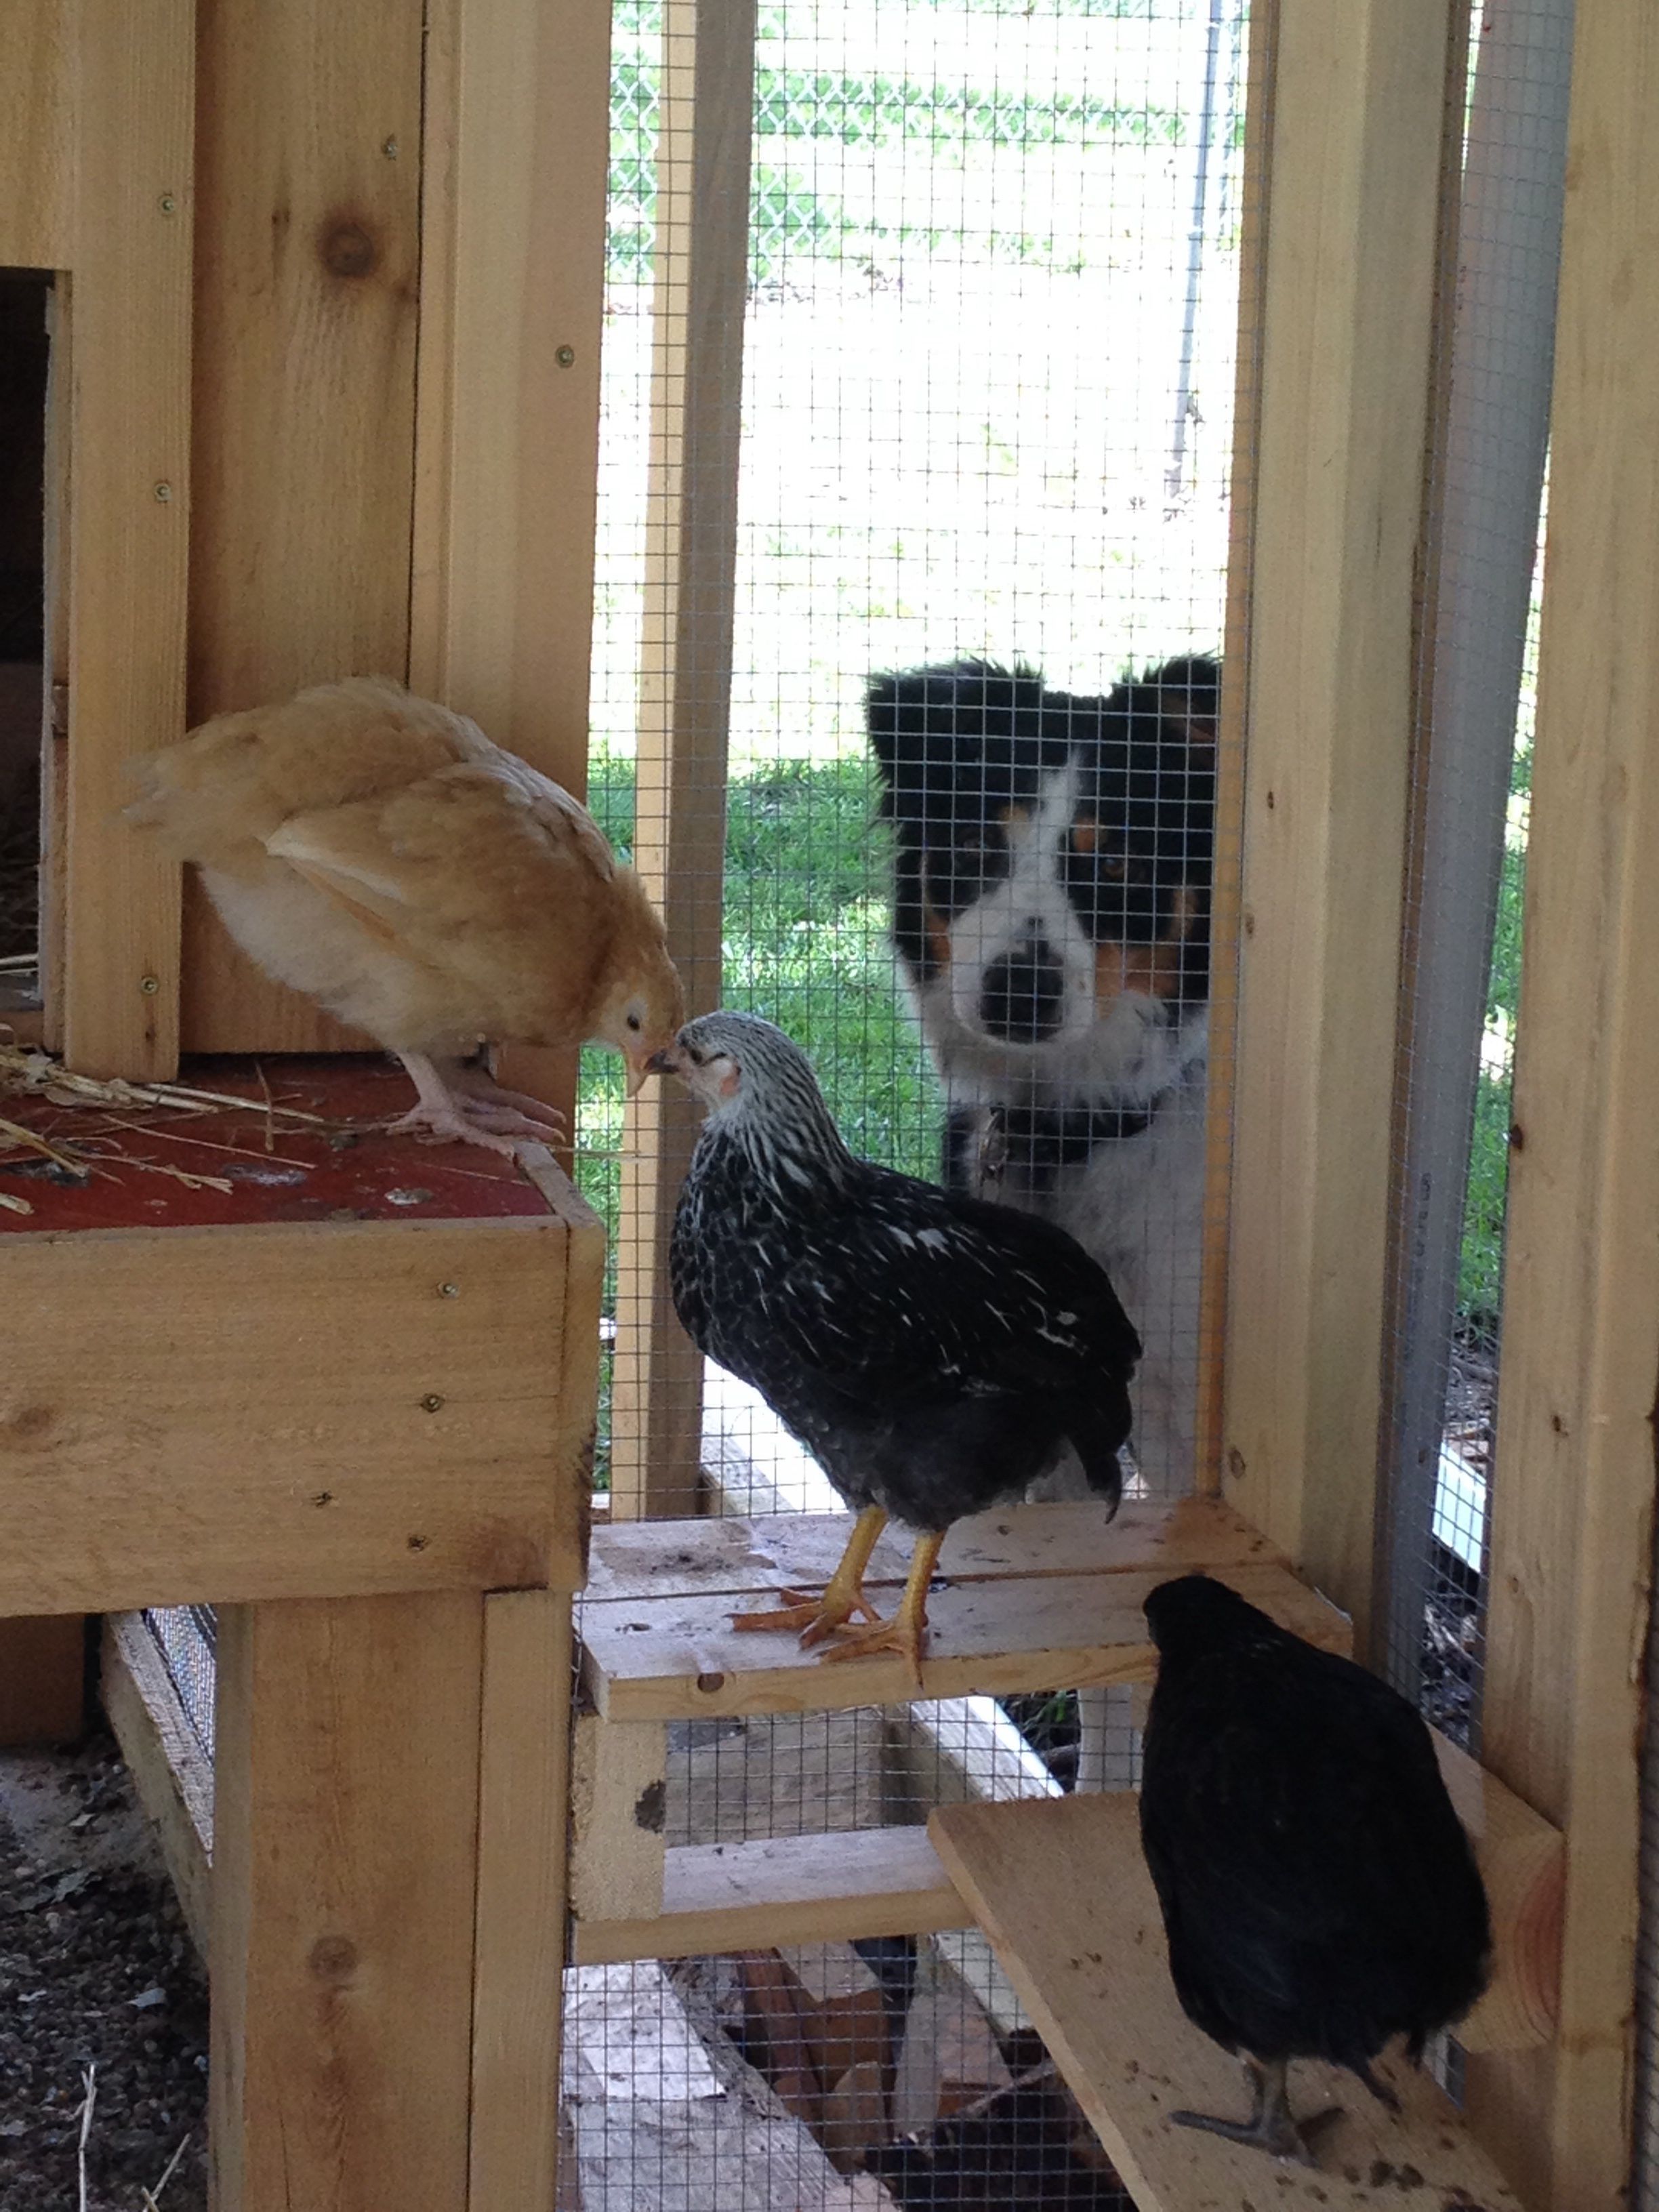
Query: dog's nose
(1021, 995)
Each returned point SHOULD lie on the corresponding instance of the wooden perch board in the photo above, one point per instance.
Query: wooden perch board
(1040, 1597)
(1083, 1947)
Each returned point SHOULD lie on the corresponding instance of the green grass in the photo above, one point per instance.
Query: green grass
(1479, 1283)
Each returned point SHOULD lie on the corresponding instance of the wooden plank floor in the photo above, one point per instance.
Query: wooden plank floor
(1060, 1887)
(1039, 1597)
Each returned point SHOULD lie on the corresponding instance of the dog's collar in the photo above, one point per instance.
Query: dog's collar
(1037, 1140)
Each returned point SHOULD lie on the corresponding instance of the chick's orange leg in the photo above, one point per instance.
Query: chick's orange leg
(907, 1632)
(843, 1593)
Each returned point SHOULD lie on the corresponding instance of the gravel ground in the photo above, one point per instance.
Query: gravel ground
(96, 1969)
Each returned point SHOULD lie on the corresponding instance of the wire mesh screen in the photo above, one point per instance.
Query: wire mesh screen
(1464, 895)
(918, 378)
(186, 1638)
(982, 328)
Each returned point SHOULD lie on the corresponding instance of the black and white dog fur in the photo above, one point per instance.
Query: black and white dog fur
(1052, 910)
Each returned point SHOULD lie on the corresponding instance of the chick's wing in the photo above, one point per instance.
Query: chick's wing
(458, 850)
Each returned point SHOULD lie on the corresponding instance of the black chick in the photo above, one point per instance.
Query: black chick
(934, 1354)
(1319, 1893)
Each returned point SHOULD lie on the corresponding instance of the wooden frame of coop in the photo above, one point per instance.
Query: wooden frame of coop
(325, 348)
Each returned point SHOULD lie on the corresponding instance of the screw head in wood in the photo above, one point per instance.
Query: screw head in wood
(164, 493)
(431, 1402)
(449, 1290)
(168, 204)
(149, 985)
(389, 148)
(566, 356)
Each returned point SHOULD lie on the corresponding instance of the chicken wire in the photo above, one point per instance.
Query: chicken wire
(975, 375)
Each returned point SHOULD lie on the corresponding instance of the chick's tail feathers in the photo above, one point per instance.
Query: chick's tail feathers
(1098, 1425)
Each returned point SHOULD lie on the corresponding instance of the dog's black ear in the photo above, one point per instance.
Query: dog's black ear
(881, 720)
(1188, 692)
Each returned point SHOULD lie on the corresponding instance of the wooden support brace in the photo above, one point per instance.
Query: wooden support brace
(1353, 166)
(785, 1889)
(344, 1895)
(701, 281)
(308, 273)
(1573, 1497)
(523, 1787)
(618, 1800)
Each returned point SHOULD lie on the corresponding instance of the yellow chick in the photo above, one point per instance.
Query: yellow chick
(377, 852)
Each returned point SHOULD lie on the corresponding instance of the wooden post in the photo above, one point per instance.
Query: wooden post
(129, 534)
(514, 160)
(1355, 167)
(345, 1837)
(1227, 873)
(701, 281)
(523, 1804)
(1573, 1496)
(307, 276)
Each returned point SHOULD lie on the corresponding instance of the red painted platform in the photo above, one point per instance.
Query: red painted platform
(344, 1170)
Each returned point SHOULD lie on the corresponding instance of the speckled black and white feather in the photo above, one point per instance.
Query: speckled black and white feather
(932, 1353)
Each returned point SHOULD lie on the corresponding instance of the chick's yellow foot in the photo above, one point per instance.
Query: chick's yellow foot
(907, 1632)
(908, 1638)
(843, 1593)
(815, 1616)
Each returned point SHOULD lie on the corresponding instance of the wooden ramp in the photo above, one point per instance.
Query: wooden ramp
(1060, 1888)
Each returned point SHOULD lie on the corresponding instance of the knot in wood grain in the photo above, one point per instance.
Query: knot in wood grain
(28, 1425)
(333, 1958)
(346, 248)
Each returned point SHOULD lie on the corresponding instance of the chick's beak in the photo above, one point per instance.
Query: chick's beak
(664, 1061)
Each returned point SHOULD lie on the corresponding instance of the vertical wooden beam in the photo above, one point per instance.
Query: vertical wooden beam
(1573, 1497)
(308, 263)
(54, 737)
(1227, 874)
(345, 1839)
(524, 1808)
(128, 540)
(37, 128)
(1355, 168)
(42, 1678)
(514, 152)
(703, 147)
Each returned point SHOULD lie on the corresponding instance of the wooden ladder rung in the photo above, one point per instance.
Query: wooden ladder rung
(785, 1889)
